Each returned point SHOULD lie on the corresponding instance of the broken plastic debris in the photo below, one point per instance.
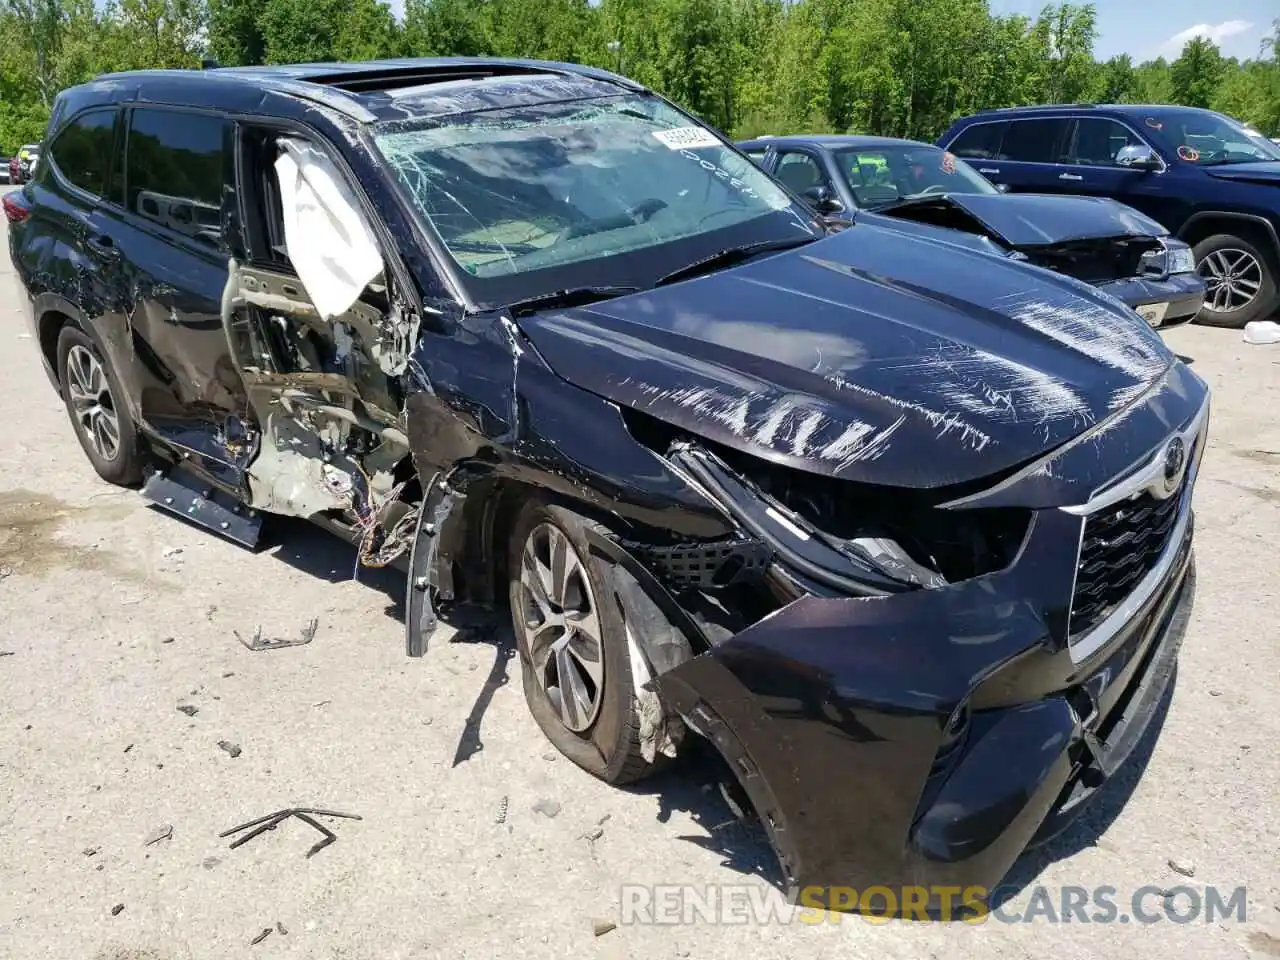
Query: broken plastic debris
(325, 231)
(1262, 332)
(229, 747)
(163, 832)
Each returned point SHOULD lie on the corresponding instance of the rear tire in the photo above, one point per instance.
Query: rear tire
(573, 648)
(1240, 279)
(96, 404)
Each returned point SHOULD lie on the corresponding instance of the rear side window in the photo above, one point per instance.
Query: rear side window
(175, 165)
(1035, 141)
(82, 151)
(1097, 140)
(979, 142)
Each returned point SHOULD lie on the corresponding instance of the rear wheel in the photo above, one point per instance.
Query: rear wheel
(573, 647)
(94, 401)
(1240, 281)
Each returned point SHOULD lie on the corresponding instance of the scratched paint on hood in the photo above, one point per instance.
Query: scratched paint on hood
(866, 355)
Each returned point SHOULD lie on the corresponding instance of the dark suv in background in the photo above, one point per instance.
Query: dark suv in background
(1212, 181)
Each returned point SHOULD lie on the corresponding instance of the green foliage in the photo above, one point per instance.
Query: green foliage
(896, 67)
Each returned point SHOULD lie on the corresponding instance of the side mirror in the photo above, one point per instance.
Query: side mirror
(820, 199)
(1138, 157)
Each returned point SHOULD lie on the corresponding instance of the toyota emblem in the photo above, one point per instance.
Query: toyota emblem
(1175, 460)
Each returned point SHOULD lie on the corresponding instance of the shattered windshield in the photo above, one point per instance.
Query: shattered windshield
(887, 174)
(519, 194)
(1210, 139)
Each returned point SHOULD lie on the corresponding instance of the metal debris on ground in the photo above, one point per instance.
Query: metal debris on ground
(167, 640)
(273, 820)
(163, 832)
(280, 928)
(266, 932)
(128, 748)
(229, 747)
(258, 642)
(6, 653)
(188, 709)
(89, 851)
(115, 911)
(548, 808)
(1184, 867)
(594, 834)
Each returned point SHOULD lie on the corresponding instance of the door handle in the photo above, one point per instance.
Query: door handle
(988, 170)
(1069, 176)
(103, 246)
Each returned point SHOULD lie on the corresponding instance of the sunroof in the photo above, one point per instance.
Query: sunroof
(396, 78)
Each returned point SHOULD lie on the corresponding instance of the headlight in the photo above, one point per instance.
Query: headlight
(1176, 257)
(1180, 259)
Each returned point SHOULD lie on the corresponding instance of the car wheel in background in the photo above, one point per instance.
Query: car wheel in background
(1240, 281)
(95, 404)
(573, 648)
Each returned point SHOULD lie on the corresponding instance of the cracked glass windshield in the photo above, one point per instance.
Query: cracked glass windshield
(518, 191)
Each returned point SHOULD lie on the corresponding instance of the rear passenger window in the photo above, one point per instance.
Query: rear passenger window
(82, 151)
(979, 142)
(1098, 140)
(175, 170)
(1034, 141)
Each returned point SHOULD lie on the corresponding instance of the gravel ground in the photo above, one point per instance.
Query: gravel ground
(115, 616)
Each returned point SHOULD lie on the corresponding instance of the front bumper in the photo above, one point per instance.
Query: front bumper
(926, 739)
(1166, 303)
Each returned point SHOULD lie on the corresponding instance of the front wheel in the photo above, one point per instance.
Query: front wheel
(574, 656)
(1240, 281)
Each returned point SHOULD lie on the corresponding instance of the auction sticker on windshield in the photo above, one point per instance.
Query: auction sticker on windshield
(687, 138)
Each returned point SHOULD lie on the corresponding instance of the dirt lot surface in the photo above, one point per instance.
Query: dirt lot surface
(115, 616)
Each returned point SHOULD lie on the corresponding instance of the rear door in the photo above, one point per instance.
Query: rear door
(1032, 155)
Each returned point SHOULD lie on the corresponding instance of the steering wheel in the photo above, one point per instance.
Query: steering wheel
(933, 188)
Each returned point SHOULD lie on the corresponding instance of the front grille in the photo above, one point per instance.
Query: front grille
(1121, 544)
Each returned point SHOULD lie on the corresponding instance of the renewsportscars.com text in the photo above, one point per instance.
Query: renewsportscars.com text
(677, 904)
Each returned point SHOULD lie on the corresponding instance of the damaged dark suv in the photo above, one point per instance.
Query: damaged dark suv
(903, 529)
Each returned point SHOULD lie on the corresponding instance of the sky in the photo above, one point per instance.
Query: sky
(1146, 29)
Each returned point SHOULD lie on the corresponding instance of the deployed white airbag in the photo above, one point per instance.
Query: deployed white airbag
(329, 241)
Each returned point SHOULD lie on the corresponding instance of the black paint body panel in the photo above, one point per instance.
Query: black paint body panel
(875, 356)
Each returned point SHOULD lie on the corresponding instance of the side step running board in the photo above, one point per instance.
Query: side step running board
(181, 493)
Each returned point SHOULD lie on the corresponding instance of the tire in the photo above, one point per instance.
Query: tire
(601, 737)
(95, 403)
(1232, 268)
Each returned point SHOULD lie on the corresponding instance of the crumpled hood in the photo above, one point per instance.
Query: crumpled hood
(1262, 171)
(1023, 220)
(871, 355)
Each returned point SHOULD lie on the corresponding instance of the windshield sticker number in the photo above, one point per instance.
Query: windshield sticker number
(686, 138)
(720, 173)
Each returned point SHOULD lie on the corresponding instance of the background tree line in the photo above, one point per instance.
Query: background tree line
(895, 67)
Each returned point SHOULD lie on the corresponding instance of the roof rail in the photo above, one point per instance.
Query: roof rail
(1041, 106)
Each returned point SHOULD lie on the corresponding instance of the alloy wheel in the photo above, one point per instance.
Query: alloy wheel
(92, 403)
(562, 625)
(1232, 279)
